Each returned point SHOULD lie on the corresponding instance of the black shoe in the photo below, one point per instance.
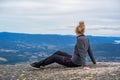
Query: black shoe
(35, 65)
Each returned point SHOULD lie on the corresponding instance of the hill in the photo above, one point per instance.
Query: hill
(54, 39)
(100, 71)
(18, 48)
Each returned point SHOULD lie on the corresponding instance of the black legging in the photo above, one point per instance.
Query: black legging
(60, 58)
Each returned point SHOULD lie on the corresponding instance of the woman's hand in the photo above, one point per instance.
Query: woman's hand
(99, 63)
(86, 68)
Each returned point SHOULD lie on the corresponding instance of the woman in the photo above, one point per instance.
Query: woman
(77, 59)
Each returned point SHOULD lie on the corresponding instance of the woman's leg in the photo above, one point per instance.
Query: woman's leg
(63, 54)
(43, 62)
(66, 61)
(63, 60)
(54, 57)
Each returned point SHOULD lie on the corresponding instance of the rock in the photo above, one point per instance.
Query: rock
(100, 71)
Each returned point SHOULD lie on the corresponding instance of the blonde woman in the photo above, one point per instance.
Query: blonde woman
(82, 47)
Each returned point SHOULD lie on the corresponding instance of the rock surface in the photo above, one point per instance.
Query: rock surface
(100, 71)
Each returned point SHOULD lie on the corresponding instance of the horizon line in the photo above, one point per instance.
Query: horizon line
(53, 34)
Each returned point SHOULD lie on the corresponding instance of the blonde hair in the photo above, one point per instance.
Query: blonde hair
(80, 29)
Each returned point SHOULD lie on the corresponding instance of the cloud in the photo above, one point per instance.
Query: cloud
(61, 6)
(103, 27)
(21, 4)
(105, 32)
(60, 16)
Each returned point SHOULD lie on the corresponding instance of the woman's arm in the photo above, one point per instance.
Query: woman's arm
(91, 54)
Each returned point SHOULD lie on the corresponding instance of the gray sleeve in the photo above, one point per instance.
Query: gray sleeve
(91, 54)
(81, 50)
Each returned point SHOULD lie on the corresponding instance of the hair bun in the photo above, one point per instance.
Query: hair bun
(81, 22)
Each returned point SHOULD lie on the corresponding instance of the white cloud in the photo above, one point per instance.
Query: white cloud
(60, 16)
(106, 32)
(61, 5)
(103, 27)
(105, 20)
(21, 4)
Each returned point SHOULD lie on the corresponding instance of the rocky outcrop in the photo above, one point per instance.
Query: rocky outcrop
(100, 71)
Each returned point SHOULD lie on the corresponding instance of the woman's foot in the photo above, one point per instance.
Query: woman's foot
(35, 65)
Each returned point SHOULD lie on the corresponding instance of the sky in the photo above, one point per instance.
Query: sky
(102, 17)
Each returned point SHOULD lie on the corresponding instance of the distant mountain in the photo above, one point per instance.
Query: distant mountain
(51, 39)
(18, 47)
(37, 38)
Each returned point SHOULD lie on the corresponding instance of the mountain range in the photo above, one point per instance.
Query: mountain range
(19, 47)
